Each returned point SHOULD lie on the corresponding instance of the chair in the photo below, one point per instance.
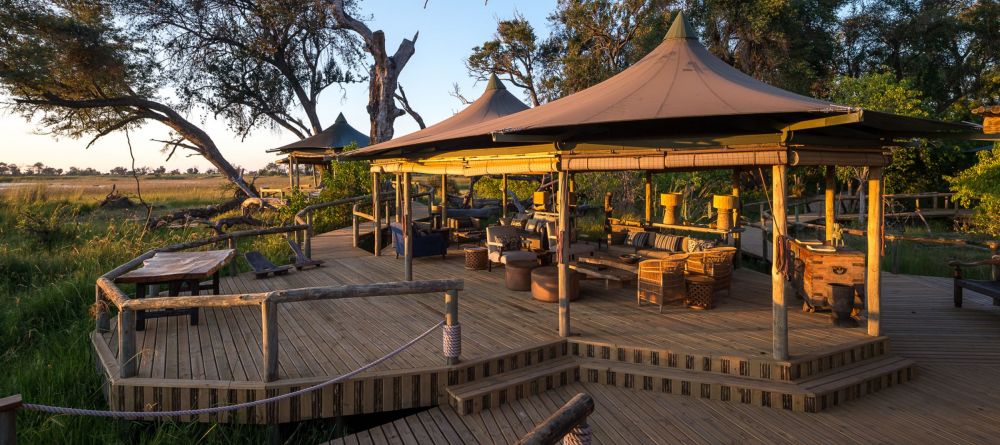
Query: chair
(300, 258)
(717, 263)
(504, 244)
(990, 288)
(575, 249)
(662, 280)
(262, 267)
(425, 243)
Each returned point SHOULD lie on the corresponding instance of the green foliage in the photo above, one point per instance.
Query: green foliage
(981, 183)
(515, 54)
(491, 188)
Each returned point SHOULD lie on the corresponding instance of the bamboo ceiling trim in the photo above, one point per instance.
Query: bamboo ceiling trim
(471, 167)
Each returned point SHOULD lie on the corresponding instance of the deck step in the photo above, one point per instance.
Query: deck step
(496, 390)
(813, 395)
(755, 367)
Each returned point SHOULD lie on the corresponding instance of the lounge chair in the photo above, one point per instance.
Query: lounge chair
(301, 260)
(504, 244)
(425, 243)
(262, 267)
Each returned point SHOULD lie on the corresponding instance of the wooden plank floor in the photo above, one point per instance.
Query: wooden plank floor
(951, 401)
(328, 338)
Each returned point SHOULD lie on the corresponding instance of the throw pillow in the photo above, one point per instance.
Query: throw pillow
(637, 239)
(509, 241)
(698, 245)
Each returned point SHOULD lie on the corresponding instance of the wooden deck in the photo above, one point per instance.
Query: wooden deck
(951, 400)
(218, 361)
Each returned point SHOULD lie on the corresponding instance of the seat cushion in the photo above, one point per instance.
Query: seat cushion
(518, 255)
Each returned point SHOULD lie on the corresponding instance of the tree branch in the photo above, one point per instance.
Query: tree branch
(406, 106)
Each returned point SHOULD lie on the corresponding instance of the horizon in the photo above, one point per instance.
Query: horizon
(427, 78)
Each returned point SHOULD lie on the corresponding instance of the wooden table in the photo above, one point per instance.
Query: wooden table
(180, 272)
(614, 273)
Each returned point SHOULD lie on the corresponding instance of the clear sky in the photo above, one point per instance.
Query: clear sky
(448, 31)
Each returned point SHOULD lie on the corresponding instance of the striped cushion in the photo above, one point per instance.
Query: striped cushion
(637, 239)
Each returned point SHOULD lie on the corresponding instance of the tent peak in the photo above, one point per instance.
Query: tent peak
(681, 28)
(340, 117)
(495, 83)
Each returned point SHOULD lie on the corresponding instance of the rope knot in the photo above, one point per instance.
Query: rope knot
(579, 435)
(451, 340)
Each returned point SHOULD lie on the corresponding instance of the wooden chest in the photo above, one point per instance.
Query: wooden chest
(815, 270)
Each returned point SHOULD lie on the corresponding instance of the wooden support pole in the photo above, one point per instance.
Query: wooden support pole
(291, 178)
(503, 196)
(397, 199)
(828, 205)
(779, 307)
(355, 231)
(451, 316)
(873, 286)
(444, 201)
(127, 359)
(309, 234)
(232, 264)
(407, 230)
(648, 184)
(8, 419)
(377, 224)
(269, 340)
(562, 253)
(737, 236)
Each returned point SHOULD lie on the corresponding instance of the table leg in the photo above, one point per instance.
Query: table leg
(195, 290)
(140, 316)
(215, 283)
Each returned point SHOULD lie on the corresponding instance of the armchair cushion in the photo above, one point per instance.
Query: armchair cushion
(637, 239)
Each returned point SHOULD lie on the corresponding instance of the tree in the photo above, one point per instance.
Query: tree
(70, 66)
(383, 74)
(982, 183)
(593, 40)
(513, 53)
(790, 44)
(254, 63)
(119, 171)
(191, 170)
(949, 49)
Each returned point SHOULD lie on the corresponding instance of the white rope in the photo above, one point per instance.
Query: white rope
(451, 340)
(579, 435)
(218, 409)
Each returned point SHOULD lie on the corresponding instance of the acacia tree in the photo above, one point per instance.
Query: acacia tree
(253, 63)
(69, 66)
(514, 53)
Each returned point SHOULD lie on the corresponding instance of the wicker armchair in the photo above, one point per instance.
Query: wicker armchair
(717, 263)
(662, 280)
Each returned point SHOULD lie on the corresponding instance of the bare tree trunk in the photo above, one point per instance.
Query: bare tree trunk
(383, 74)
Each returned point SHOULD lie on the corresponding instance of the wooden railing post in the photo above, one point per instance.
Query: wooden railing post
(355, 231)
(994, 247)
(451, 318)
(568, 420)
(103, 321)
(8, 419)
(377, 221)
(127, 359)
(269, 337)
(232, 264)
(309, 234)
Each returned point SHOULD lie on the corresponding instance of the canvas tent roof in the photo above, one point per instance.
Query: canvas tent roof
(335, 137)
(677, 89)
(495, 102)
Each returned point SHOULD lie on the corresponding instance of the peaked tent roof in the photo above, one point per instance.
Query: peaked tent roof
(679, 88)
(335, 137)
(495, 102)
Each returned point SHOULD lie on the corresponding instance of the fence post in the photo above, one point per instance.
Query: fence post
(232, 264)
(269, 337)
(355, 233)
(101, 309)
(452, 338)
(8, 419)
(994, 250)
(309, 234)
(127, 359)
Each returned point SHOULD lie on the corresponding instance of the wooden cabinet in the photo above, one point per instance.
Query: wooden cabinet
(816, 268)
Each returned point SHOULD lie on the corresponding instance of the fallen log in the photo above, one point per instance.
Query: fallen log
(207, 212)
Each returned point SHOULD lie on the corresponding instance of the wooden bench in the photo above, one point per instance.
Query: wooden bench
(990, 288)
(262, 267)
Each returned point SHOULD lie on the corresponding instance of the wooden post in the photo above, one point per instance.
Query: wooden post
(291, 181)
(444, 201)
(451, 316)
(994, 247)
(355, 231)
(873, 286)
(407, 230)
(377, 224)
(503, 196)
(127, 359)
(828, 204)
(562, 253)
(648, 183)
(309, 234)
(232, 264)
(103, 320)
(8, 419)
(737, 238)
(269, 339)
(397, 200)
(779, 307)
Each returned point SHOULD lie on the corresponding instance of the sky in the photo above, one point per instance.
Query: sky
(449, 29)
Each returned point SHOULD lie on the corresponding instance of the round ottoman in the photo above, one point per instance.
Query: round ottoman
(545, 284)
(518, 274)
(476, 258)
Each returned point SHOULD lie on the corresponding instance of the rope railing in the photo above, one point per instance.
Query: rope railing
(10, 405)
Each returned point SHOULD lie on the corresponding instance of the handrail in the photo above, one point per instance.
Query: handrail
(570, 418)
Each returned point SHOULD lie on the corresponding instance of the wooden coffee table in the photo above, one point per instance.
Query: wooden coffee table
(614, 273)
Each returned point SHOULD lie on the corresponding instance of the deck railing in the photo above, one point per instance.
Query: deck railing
(568, 424)
(108, 294)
